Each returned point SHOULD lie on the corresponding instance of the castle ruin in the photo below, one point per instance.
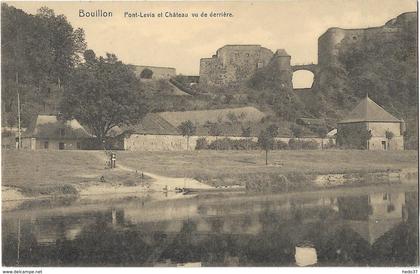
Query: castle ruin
(336, 39)
(236, 63)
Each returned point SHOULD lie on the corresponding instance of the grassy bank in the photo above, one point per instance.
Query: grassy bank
(228, 167)
(47, 172)
(58, 172)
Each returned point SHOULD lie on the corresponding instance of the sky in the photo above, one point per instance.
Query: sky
(293, 25)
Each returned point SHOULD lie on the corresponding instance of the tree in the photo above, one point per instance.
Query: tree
(215, 129)
(266, 139)
(296, 130)
(187, 129)
(353, 137)
(102, 95)
(42, 50)
(232, 117)
(389, 135)
(246, 131)
(273, 130)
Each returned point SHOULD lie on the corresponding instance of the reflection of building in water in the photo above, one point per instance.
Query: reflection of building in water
(371, 216)
(235, 217)
(48, 229)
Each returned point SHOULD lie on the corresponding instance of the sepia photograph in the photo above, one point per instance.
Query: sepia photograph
(209, 134)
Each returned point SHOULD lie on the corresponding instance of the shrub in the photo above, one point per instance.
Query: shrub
(202, 144)
(280, 145)
(296, 144)
(220, 144)
(354, 136)
(229, 144)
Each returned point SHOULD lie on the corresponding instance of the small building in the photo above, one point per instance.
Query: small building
(386, 131)
(48, 132)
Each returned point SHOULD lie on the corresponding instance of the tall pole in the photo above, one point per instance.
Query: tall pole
(18, 243)
(18, 101)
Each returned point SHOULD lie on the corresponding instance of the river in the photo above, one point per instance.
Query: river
(365, 226)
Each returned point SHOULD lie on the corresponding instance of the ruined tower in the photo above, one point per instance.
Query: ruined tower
(233, 64)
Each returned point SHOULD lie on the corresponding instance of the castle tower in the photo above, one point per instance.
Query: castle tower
(280, 65)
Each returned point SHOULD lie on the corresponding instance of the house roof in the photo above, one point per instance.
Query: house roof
(368, 111)
(48, 126)
(152, 123)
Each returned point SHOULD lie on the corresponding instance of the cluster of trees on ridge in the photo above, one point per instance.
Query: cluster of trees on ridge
(42, 60)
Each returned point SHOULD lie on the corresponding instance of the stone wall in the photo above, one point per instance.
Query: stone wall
(139, 142)
(382, 143)
(38, 144)
(158, 72)
(334, 39)
(379, 140)
(378, 129)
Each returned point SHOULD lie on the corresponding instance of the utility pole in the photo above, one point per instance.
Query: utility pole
(18, 101)
(18, 243)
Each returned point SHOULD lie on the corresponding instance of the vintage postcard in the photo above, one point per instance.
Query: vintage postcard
(210, 134)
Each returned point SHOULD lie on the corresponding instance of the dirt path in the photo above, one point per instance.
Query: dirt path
(161, 182)
(169, 183)
(95, 188)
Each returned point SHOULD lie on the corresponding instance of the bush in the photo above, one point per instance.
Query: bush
(280, 145)
(202, 144)
(296, 144)
(229, 144)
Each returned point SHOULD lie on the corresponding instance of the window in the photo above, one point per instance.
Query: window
(78, 145)
(62, 132)
(46, 144)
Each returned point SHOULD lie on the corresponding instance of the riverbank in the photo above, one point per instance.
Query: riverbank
(228, 168)
(49, 173)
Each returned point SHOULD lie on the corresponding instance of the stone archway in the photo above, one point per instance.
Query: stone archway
(303, 79)
(146, 74)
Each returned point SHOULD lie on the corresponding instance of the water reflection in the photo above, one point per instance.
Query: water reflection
(379, 228)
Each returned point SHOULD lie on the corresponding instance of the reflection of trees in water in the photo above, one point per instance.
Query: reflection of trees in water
(216, 224)
(274, 248)
(398, 247)
(337, 243)
(102, 244)
(27, 246)
(342, 247)
(182, 249)
(354, 208)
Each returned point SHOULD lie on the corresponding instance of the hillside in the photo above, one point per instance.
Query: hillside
(381, 61)
(383, 64)
(248, 114)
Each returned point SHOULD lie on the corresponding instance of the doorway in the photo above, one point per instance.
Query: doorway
(60, 146)
(384, 145)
